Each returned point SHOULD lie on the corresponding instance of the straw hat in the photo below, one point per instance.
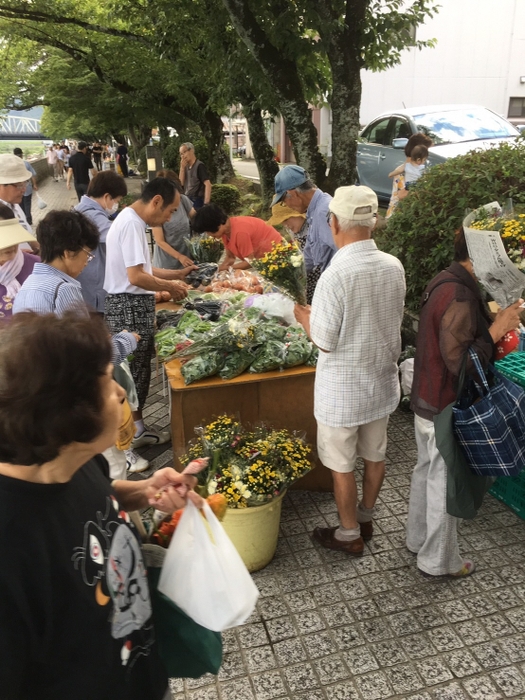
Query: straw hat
(12, 233)
(280, 213)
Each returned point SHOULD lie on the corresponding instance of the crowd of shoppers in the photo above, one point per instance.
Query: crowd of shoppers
(69, 616)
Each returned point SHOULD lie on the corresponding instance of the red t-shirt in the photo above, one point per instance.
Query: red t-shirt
(250, 237)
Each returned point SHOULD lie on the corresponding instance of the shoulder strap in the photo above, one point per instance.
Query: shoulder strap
(426, 297)
(55, 296)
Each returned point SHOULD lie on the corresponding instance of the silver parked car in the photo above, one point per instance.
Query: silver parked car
(454, 129)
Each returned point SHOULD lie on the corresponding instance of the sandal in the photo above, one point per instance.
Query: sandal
(468, 568)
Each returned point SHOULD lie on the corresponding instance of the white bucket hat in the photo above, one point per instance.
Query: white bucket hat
(12, 233)
(12, 170)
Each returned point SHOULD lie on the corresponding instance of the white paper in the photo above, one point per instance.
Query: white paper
(492, 266)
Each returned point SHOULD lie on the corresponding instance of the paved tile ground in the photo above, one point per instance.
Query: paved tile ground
(329, 627)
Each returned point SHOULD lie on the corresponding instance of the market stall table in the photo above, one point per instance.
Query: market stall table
(281, 398)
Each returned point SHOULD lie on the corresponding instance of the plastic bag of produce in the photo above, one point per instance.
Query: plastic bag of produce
(202, 366)
(272, 356)
(238, 361)
(298, 347)
(274, 305)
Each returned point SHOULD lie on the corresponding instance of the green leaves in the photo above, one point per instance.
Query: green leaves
(421, 230)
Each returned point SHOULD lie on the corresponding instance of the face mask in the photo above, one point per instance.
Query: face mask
(113, 209)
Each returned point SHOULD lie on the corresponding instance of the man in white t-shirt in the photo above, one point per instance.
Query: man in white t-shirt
(131, 283)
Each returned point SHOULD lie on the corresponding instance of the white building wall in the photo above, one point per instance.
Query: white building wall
(479, 58)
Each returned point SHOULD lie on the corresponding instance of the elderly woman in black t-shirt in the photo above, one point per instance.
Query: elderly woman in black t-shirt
(75, 609)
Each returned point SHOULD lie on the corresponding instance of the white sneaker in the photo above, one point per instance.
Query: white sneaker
(150, 437)
(135, 463)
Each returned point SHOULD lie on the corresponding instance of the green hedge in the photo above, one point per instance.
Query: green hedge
(226, 196)
(421, 231)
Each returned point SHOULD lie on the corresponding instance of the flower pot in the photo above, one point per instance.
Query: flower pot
(254, 532)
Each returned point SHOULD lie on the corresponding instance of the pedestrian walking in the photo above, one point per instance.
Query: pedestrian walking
(97, 155)
(80, 167)
(52, 160)
(122, 158)
(356, 382)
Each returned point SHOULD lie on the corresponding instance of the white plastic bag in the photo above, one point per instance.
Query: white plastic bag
(41, 203)
(204, 574)
(275, 304)
(407, 375)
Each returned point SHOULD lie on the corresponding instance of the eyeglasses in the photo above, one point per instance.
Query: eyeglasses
(329, 218)
(18, 185)
(90, 255)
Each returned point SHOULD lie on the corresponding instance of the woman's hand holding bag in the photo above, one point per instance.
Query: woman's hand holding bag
(204, 574)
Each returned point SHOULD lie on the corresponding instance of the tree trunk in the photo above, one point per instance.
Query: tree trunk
(220, 168)
(139, 137)
(342, 46)
(262, 151)
(283, 76)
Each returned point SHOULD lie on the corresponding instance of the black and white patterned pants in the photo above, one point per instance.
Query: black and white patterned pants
(135, 313)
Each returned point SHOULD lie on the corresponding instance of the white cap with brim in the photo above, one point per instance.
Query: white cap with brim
(12, 170)
(354, 203)
(12, 233)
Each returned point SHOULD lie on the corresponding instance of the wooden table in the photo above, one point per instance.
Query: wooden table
(283, 399)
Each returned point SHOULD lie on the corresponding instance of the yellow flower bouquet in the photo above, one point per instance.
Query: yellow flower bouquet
(284, 267)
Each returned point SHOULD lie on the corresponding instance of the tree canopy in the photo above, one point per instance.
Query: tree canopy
(101, 66)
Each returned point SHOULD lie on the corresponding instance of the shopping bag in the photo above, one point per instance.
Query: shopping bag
(465, 490)
(491, 428)
(187, 649)
(126, 431)
(40, 202)
(204, 575)
(122, 375)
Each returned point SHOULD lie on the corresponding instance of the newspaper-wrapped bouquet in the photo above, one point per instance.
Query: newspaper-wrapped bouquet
(496, 245)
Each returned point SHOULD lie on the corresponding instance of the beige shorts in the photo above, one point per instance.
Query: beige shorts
(338, 448)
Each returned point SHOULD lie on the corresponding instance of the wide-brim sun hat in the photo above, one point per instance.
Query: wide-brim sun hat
(12, 233)
(12, 170)
(290, 177)
(354, 202)
(281, 213)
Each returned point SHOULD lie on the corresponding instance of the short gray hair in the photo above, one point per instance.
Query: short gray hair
(347, 224)
(189, 146)
(307, 186)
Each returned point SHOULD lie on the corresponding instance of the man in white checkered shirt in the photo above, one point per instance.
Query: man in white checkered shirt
(355, 320)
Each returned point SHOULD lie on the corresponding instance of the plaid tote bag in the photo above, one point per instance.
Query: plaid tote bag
(491, 428)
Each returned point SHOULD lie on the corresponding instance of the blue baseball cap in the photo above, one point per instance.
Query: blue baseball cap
(290, 177)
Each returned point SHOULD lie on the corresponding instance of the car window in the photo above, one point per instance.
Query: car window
(455, 126)
(401, 129)
(376, 132)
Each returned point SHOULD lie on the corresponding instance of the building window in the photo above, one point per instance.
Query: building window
(516, 107)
